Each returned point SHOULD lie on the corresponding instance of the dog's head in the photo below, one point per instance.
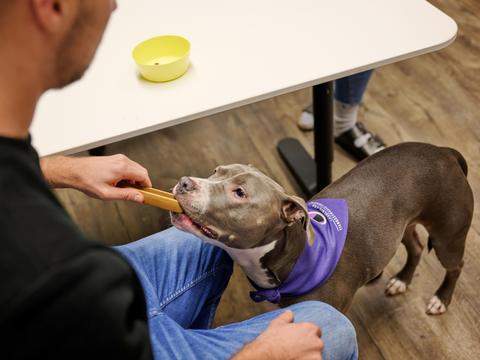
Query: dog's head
(238, 206)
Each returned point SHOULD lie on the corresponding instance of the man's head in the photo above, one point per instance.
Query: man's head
(57, 37)
(237, 206)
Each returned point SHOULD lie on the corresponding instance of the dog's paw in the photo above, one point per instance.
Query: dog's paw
(436, 306)
(395, 286)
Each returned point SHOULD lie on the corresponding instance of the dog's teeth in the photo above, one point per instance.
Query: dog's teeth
(207, 231)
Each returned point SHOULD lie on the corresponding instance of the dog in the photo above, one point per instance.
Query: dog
(267, 232)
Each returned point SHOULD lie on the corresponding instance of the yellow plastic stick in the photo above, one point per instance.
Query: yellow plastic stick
(157, 198)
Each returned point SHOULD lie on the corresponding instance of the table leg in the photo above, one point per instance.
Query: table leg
(323, 132)
(98, 151)
(313, 175)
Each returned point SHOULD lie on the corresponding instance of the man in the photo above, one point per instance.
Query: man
(66, 297)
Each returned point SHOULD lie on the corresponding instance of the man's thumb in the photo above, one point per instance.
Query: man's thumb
(284, 318)
(129, 195)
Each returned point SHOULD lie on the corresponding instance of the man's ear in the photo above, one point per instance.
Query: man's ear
(54, 15)
(294, 209)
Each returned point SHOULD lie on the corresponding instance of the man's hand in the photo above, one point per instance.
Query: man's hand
(96, 176)
(284, 340)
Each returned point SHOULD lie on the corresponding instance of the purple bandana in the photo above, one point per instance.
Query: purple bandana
(329, 218)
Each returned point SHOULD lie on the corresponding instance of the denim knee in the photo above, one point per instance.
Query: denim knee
(173, 243)
(185, 244)
(338, 332)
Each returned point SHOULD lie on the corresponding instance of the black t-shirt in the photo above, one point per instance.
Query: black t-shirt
(62, 296)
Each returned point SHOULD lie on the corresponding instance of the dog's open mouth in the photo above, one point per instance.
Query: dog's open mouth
(188, 222)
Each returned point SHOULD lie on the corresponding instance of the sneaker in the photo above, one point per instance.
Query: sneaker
(359, 142)
(305, 122)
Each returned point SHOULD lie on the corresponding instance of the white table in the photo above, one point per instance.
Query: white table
(242, 52)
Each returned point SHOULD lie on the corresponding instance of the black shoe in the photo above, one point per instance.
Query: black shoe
(359, 142)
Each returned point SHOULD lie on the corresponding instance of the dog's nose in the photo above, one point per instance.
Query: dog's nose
(185, 185)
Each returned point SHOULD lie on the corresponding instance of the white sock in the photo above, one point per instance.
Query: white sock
(345, 117)
(305, 122)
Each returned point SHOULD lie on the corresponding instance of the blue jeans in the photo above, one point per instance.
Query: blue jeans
(349, 90)
(183, 279)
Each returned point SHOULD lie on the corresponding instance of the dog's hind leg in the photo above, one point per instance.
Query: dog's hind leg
(450, 254)
(449, 221)
(398, 284)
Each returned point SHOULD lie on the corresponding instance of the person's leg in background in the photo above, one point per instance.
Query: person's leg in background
(349, 133)
(348, 94)
(183, 279)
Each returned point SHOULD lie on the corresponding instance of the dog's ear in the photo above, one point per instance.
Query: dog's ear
(294, 209)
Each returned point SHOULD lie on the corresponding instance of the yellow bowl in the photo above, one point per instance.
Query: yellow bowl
(162, 58)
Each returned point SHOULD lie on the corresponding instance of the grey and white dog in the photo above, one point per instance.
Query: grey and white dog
(243, 211)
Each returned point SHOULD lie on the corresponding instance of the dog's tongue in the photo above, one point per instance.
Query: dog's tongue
(188, 222)
(185, 219)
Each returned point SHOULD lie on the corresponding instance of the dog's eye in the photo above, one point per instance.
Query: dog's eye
(240, 193)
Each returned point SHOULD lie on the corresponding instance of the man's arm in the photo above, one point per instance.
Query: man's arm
(96, 176)
(284, 339)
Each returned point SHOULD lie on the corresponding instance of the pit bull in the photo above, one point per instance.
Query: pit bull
(364, 216)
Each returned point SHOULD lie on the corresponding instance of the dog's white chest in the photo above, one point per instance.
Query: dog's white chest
(249, 260)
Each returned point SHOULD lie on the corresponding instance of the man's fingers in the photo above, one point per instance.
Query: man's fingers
(131, 171)
(310, 327)
(322, 345)
(142, 172)
(138, 174)
(284, 318)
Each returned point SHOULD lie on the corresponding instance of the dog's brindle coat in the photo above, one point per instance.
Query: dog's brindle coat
(262, 228)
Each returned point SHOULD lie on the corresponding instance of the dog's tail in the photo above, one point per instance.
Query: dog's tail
(461, 160)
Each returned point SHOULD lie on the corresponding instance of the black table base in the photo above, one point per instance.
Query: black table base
(98, 151)
(313, 175)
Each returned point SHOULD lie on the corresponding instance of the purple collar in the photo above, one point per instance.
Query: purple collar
(329, 218)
